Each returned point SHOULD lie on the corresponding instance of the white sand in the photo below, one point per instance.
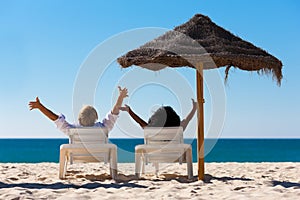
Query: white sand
(92, 181)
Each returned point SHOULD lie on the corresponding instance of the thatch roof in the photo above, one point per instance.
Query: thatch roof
(201, 40)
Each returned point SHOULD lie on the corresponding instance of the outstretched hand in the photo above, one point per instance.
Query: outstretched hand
(38, 105)
(34, 104)
(125, 108)
(195, 104)
(123, 92)
(188, 118)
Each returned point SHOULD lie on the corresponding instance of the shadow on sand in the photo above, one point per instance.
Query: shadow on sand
(162, 177)
(61, 185)
(125, 181)
(95, 179)
(208, 178)
(286, 184)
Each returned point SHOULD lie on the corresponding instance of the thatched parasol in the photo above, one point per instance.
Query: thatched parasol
(223, 47)
(201, 44)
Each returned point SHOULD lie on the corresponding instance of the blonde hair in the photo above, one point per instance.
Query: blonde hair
(87, 116)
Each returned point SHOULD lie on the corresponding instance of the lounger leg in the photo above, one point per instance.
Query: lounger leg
(189, 163)
(143, 164)
(113, 163)
(62, 163)
(138, 159)
(156, 165)
(71, 159)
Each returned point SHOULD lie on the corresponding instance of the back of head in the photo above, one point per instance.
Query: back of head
(87, 116)
(165, 116)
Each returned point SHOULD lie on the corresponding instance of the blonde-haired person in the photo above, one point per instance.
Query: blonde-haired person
(87, 116)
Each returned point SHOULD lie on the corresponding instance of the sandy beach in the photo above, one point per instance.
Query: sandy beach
(92, 181)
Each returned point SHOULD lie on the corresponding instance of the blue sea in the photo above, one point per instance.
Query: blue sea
(221, 150)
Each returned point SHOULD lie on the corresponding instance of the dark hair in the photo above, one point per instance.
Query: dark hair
(165, 116)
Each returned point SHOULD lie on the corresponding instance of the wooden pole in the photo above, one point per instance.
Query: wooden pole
(200, 127)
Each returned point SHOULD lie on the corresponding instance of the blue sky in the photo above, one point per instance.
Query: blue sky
(44, 43)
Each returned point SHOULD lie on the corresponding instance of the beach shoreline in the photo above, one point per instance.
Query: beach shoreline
(229, 180)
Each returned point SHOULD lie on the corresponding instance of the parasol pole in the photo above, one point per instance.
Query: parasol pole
(200, 125)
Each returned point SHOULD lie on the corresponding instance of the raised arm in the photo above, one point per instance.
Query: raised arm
(186, 121)
(38, 105)
(134, 116)
(123, 93)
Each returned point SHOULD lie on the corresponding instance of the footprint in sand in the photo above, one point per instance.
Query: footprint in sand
(41, 178)
(194, 191)
(290, 167)
(23, 175)
(13, 178)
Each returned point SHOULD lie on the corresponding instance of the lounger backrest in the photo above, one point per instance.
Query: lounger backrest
(89, 135)
(163, 135)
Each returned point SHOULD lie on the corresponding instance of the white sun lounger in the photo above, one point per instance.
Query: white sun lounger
(88, 145)
(163, 145)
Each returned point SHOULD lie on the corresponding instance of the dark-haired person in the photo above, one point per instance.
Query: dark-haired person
(164, 116)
